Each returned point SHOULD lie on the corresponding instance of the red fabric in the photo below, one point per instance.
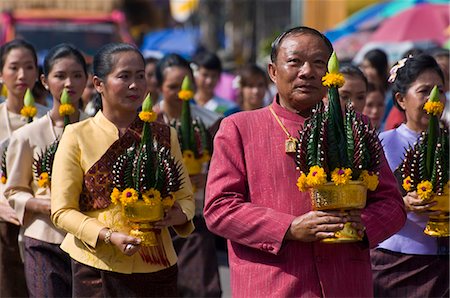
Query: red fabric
(394, 119)
(251, 199)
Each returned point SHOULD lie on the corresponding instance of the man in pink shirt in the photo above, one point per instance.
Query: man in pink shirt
(253, 201)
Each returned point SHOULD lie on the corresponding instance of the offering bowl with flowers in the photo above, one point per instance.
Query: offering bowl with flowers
(337, 155)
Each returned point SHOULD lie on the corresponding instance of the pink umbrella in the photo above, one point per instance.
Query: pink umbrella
(423, 22)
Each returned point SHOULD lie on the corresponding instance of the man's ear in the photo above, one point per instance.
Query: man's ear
(400, 99)
(271, 69)
(98, 84)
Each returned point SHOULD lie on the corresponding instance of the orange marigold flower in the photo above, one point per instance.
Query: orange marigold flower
(44, 180)
(66, 109)
(316, 176)
(28, 111)
(341, 176)
(152, 197)
(424, 189)
(302, 183)
(407, 183)
(369, 179)
(185, 94)
(115, 196)
(333, 80)
(434, 108)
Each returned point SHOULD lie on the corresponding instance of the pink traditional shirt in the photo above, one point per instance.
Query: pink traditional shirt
(252, 198)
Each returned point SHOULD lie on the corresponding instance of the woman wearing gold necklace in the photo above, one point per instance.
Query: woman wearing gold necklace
(18, 72)
(30, 157)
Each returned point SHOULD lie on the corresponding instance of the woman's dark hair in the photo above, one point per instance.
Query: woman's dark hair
(413, 67)
(248, 72)
(297, 30)
(378, 59)
(62, 51)
(170, 60)
(16, 44)
(151, 60)
(354, 71)
(104, 59)
(208, 60)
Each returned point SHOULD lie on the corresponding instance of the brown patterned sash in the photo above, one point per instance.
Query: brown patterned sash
(97, 184)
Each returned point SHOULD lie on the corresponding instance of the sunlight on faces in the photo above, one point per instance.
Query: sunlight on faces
(298, 70)
(354, 90)
(172, 81)
(374, 108)
(416, 96)
(66, 73)
(19, 72)
(125, 86)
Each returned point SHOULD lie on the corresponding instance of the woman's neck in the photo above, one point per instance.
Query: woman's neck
(202, 97)
(122, 120)
(172, 109)
(417, 127)
(14, 104)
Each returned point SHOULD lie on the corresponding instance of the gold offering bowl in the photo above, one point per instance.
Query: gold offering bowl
(329, 196)
(141, 217)
(438, 225)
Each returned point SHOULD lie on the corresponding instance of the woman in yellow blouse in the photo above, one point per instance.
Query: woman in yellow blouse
(105, 259)
(30, 152)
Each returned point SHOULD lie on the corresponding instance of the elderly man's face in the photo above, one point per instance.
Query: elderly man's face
(297, 72)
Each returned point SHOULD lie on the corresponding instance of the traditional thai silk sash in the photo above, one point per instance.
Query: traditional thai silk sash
(97, 185)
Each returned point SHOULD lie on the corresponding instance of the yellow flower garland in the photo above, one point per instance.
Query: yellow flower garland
(333, 80)
(152, 197)
(316, 176)
(66, 109)
(115, 196)
(129, 196)
(425, 189)
(341, 176)
(148, 116)
(302, 183)
(43, 180)
(168, 202)
(3, 179)
(185, 94)
(369, 179)
(407, 183)
(28, 111)
(434, 108)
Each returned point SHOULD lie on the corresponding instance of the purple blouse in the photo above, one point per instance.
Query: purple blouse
(411, 238)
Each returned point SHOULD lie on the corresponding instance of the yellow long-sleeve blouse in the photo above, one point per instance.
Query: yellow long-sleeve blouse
(81, 146)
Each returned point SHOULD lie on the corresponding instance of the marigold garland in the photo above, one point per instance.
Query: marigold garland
(369, 179)
(152, 197)
(66, 109)
(434, 108)
(425, 189)
(302, 183)
(168, 202)
(28, 111)
(185, 94)
(43, 180)
(115, 196)
(341, 176)
(407, 183)
(148, 116)
(316, 176)
(129, 196)
(333, 80)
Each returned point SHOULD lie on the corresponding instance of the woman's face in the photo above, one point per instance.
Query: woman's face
(374, 108)
(19, 72)
(416, 96)
(253, 93)
(370, 72)
(173, 79)
(354, 90)
(152, 81)
(124, 88)
(66, 73)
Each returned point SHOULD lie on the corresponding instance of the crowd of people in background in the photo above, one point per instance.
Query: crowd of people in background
(50, 246)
